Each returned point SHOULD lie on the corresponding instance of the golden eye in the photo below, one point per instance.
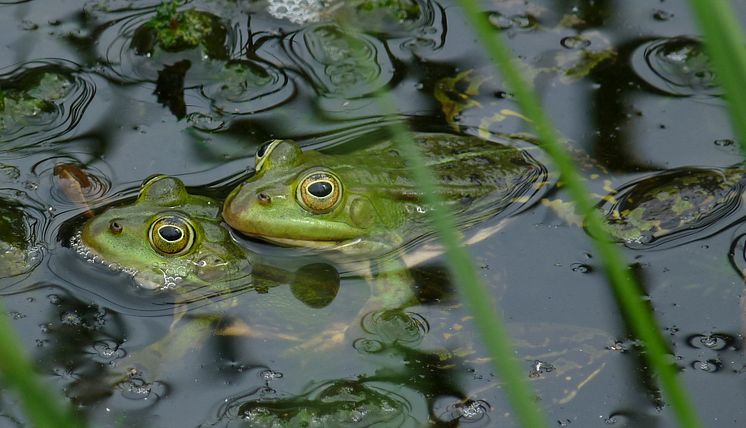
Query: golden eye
(319, 192)
(171, 235)
(263, 153)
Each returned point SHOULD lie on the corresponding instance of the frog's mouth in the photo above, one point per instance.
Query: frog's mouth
(305, 243)
(90, 255)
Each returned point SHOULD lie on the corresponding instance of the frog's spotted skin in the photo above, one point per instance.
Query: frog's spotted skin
(672, 204)
(365, 201)
(167, 238)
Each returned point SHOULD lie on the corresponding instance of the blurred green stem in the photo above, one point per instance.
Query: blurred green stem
(42, 408)
(637, 313)
(473, 291)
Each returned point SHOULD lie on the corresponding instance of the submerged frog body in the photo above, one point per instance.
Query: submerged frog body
(365, 202)
(674, 203)
(165, 239)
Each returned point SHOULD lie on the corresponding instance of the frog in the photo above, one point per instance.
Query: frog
(362, 205)
(365, 201)
(170, 238)
(171, 241)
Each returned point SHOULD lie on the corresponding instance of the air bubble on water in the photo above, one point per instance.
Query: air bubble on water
(269, 375)
(580, 268)
(709, 366)
(539, 367)
(662, 15)
(575, 42)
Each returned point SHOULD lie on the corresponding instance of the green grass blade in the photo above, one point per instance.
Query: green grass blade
(42, 408)
(473, 291)
(726, 46)
(626, 290)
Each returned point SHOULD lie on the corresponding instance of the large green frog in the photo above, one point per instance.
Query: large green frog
(365, 201)
(364, 204)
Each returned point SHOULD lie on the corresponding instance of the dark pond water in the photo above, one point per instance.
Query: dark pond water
(626, 82)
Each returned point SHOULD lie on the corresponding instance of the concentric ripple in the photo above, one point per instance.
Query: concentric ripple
(247, 86)
(41, 100)
(672, 205)
(136, 44)
(340, 65)
(677, 66)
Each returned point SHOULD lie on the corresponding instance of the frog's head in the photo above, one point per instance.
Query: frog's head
(303, 198)
(165, 238)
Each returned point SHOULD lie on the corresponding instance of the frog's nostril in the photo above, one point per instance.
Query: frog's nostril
(264, 198)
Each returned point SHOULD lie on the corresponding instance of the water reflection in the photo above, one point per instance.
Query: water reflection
(247, 86)
(677, 66)
(40, 101)
(135, 43)
(340, 64)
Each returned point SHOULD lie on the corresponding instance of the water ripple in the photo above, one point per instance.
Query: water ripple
(676, 66)
(247, 86)
(133, 53)
(673, 205)
(41, 100)
(338, 64)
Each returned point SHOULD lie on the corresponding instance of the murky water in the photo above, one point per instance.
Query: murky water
(84, 89)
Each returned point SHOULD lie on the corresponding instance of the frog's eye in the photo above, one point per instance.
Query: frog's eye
(319, 192)
(263, 153)
(171, 235)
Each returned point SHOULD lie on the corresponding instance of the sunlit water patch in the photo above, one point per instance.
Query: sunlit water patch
(677, 66)
(40, 101)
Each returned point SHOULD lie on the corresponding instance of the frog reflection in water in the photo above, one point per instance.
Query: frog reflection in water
(364, 204)
(170, 239)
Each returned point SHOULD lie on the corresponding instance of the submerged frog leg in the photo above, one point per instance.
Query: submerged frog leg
(169, 349)
(391, 292)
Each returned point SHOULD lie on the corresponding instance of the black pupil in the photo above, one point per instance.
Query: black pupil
(170, 233)
(320, 189)
(262, 150)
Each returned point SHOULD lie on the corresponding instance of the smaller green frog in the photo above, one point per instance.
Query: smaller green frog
(167, 238)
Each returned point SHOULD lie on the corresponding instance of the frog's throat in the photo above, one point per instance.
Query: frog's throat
(304, 243)
(90, 255)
